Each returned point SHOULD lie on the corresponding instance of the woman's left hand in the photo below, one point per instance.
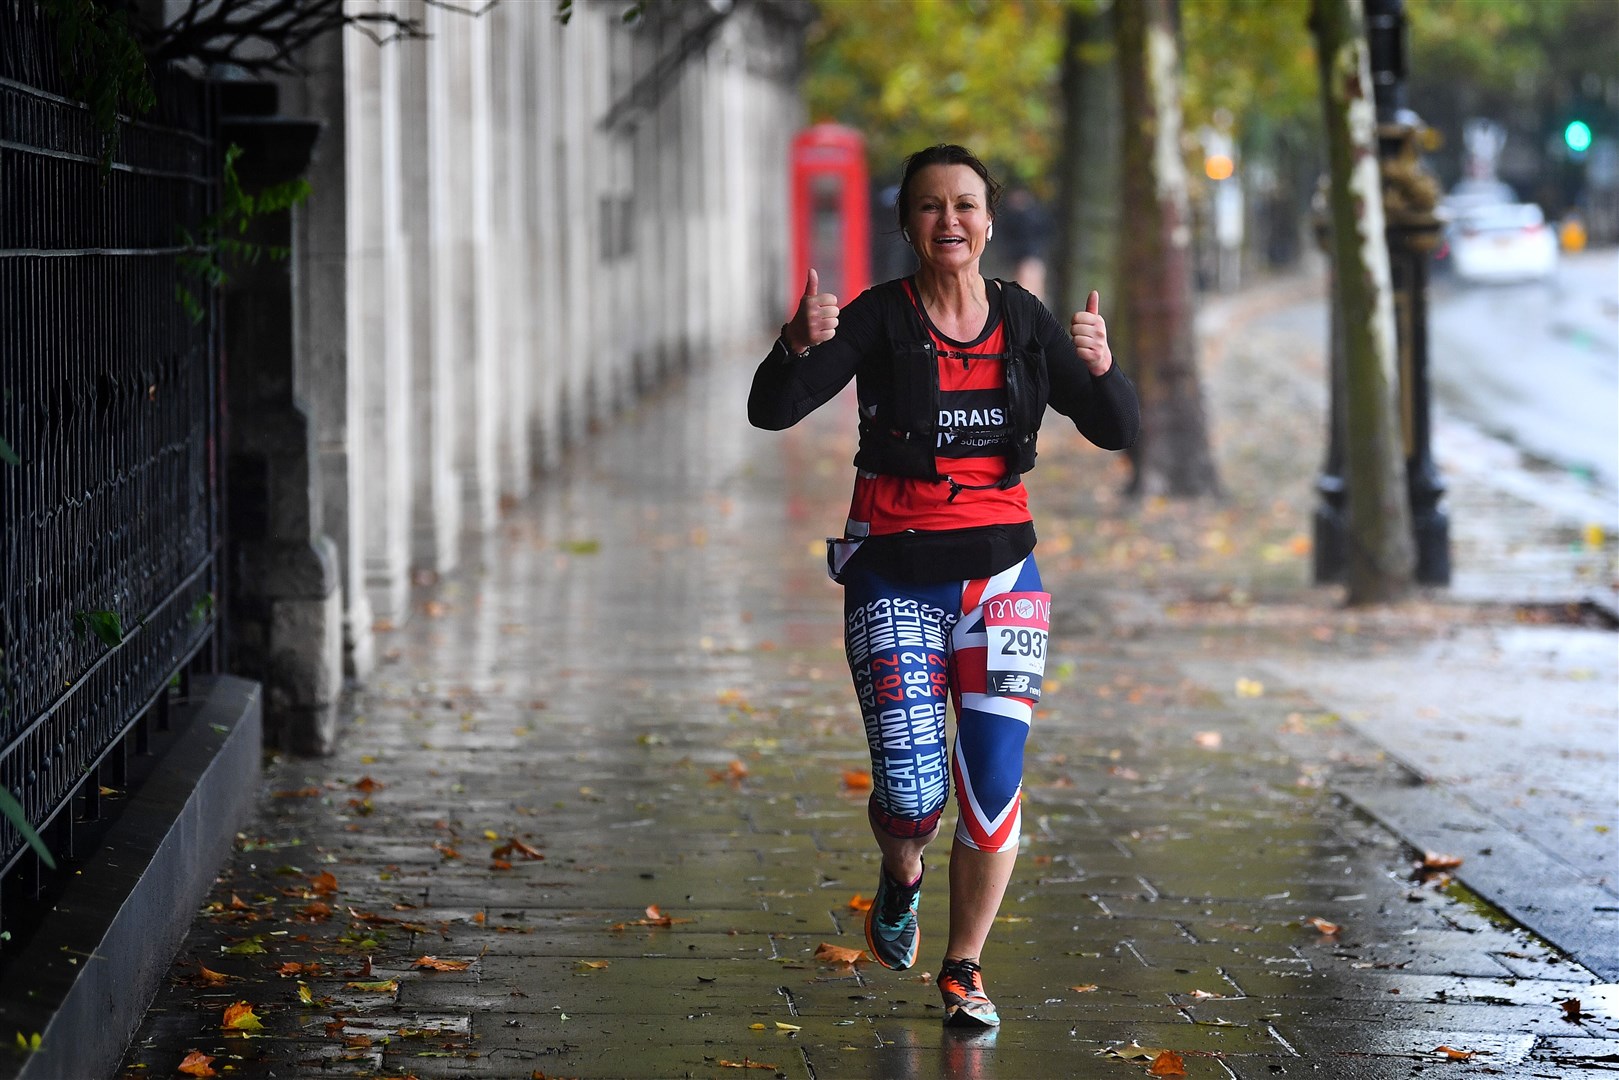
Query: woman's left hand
(1090, 336)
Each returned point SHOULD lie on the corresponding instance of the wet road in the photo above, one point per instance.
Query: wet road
(1537, 363)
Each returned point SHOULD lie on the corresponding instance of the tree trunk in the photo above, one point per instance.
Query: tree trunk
(1380, 554)
(1085, 255)
(1172, 456)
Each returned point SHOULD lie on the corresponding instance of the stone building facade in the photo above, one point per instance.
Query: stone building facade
(517, 226)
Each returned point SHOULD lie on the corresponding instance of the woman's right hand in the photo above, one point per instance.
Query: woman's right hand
(816, 319)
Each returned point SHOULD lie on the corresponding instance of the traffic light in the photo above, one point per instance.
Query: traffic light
(1577, 136)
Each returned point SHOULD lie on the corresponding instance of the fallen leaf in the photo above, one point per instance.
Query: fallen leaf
(293, 967)
(744, 1064)
(239, 1016)
(1167, 1063)
(319, 911)
(1328, 928)
(324, 883)
(1085, 989)
(381, 986)
(215, 978)
(827, 953)
(435, 609)
(859, 903)
(735, 772)
(594, 965)
(301, 793)
(514, 846)
(368, 784)
(1134, 1052)
(856, 779)
(1250, 688)
(1433, 860)
(196, 1063)
(787, 1027)
(250, 947)
(304, 995)
(433, 963)
(1208, 740)
(1204, 995)
(1453, 1054)
(1571, 1010)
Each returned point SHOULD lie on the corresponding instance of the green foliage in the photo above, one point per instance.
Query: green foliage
(103, 63)
(12, 811)
(106, 625)
(221, 235)
(1251, 59)
(911, 73)
(1507, 50)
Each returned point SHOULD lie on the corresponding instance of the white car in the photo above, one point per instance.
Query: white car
(1504, 242)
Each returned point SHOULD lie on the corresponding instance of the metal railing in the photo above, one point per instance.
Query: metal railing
(109, 405)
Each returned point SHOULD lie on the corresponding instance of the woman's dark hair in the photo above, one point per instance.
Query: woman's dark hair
(945, 154)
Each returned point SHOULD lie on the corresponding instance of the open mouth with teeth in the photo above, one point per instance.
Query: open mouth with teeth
(948, 241)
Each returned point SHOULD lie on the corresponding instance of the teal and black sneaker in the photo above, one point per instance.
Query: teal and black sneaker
(892, 932)
(961, 984)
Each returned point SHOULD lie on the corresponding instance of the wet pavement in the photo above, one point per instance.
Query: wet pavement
(610, 774)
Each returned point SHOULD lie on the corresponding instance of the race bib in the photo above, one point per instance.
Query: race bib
(1018, 625)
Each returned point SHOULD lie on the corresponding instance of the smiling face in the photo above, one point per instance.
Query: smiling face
(947, 216)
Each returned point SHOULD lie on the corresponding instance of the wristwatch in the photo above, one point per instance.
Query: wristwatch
(787, 348)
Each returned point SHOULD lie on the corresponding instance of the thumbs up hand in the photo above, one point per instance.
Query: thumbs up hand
(1089, 332)
(816, 319)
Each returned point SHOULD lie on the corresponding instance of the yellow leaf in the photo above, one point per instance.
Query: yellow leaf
(1250, 688)
(382, 986)
(1133, 1052)
(239, 1016)
(787, 1027)
(594, 965)
(1328, 928)
(213, 978)
(490, 834)
(304, 995)
(756, 1027)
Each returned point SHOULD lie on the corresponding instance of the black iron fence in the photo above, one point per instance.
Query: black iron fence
(109, 406)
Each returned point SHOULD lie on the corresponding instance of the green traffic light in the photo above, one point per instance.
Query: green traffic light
(1578, 136)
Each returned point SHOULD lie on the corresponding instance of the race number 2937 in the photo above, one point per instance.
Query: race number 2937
(1018, 626)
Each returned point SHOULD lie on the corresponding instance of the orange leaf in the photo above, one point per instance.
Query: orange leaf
(1167, 1063)
(479, 917)
(324, 883)
(293, 967)
(240, 1017)
(859, 903)
(1433, 860)
(514, 846)
(238, 904)
(366, 783)
(301, 793)
(1453, 1054)
(433, 963)
(1571, 1009)
(197, 1063)
(856, 779)
(1087, 988)
(1328, 928)
(827, 953)
(319, 911)
(499, 864)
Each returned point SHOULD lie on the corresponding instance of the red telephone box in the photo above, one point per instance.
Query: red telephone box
(831, 210)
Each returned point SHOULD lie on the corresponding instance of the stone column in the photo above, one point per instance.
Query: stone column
(436, 279)
(285, 603)
(326, 379)
(378, 325)
(517, 201)
(546, 284)
(481, 356)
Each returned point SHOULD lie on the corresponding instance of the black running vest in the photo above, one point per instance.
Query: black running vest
(899, 390)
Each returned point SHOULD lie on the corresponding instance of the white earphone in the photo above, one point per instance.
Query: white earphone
(989, 232)
(907, 234)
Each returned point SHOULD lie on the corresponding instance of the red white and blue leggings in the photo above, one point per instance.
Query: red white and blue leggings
(910, 647)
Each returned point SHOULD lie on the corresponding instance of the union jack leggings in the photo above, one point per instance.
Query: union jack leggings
(910, 647)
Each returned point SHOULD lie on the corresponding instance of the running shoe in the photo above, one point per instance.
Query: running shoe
(961, 984)
(891, 924)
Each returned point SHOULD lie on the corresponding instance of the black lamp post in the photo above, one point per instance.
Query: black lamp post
(1410, 195)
